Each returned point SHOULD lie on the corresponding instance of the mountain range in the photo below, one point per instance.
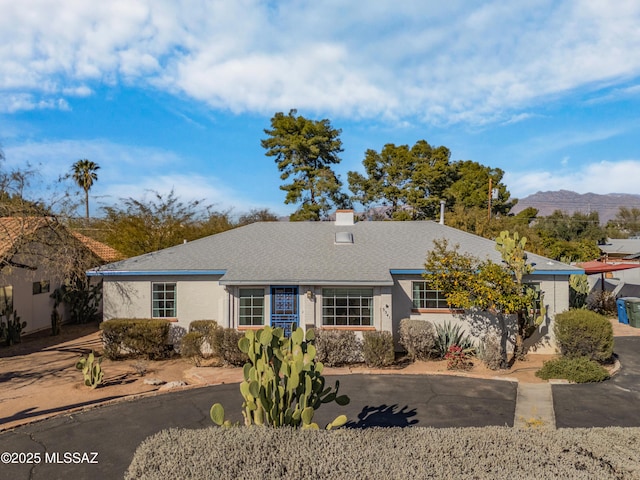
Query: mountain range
(570, 202)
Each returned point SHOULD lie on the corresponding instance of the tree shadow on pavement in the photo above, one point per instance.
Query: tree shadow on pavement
(384, 416)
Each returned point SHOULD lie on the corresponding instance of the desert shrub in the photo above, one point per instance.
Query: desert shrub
(382, 453)
(490, 351)
(212, 336)
(579, 370)
(582, 333)
(227, 346)
(135, 337)
(338, 347)
(418, 338)
(602, 302)
(448, 334)
(191, 347)
(458, 358)
(377, 348)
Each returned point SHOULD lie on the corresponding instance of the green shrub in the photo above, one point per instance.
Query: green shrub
(212, 336)
(134, 337)
(582, 333)
(226, 344)
(191, 347)
(602, 302)
(447, 335)
(338, 347)
(418, 338)
(578, 370)
(377, 348)
(490, 351)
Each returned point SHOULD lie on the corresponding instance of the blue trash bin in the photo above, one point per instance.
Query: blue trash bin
(622, 311)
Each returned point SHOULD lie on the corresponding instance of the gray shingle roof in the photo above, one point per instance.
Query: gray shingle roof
(307, 253)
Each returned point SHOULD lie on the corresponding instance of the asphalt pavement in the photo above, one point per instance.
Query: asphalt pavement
(64, 447)
(100, 442)
(614, 403)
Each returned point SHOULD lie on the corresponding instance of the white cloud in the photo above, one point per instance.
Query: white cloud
(600, 177)
(24, 101)
(438, 62)
(126, 171)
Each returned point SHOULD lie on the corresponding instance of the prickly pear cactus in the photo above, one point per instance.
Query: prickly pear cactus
(91, 370)
(513, 253)
(283, 382)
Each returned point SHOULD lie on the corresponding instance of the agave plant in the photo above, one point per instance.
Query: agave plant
(448, 335)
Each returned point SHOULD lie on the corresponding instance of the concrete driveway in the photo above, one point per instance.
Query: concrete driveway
(615, 402)
(115, 431)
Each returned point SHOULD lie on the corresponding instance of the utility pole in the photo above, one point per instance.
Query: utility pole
(490, 195)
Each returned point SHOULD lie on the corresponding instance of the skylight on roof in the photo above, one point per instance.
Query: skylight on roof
(344, 238)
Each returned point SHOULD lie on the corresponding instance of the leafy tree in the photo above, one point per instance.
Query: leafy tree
(409, 181)
(575, 236)
(471, 188)
(144, 226)
(470, 283)
(257, 215)
(626, 223)
(84, 174)
(304, 151)
(578, 226)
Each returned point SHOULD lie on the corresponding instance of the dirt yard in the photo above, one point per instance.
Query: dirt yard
(38, 378)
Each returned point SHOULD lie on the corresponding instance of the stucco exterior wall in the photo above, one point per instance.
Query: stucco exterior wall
(556, 299)
(198, 298)
(35, 309)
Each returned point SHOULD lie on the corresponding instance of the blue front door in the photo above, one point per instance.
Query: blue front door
(284, 308)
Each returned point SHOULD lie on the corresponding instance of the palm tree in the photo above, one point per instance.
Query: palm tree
(84, 174)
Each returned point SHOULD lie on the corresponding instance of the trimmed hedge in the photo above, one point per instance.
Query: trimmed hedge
(388, 453)
(377, 348)
(583, 333)
(578, 370)
(135, 337)
(418, 338)
(338, 347)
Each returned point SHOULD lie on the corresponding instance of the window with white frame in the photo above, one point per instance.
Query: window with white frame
(251, 307)
(163, 303)
(347, 306)
(426, 297)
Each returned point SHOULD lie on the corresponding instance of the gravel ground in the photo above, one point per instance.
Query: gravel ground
(389, 453)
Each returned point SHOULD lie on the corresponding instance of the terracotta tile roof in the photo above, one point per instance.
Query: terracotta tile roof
(13, 228)
(99, 249)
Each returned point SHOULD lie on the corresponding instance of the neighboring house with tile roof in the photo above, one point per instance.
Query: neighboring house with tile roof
(334, 275)
(36, 255)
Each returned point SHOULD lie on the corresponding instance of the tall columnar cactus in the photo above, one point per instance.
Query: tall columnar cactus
(14, 326)
(91, 370)
(283, 382)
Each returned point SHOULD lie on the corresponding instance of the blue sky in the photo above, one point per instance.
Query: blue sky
(175, 94)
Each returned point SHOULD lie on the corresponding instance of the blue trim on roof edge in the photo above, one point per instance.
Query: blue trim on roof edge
(129, 273)
(409, 271)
